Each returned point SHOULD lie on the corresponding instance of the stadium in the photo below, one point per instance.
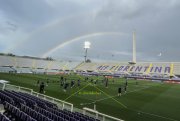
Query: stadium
(43, 88)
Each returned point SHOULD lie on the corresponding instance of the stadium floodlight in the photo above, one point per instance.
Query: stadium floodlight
(86, 47)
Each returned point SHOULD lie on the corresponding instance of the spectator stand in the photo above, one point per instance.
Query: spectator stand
(61, 105)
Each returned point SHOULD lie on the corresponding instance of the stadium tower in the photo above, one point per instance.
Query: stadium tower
(134, 49)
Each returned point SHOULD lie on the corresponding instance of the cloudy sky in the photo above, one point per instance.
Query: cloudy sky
(58, 28)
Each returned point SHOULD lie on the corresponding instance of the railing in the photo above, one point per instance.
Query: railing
(98, 115)
(61, 104)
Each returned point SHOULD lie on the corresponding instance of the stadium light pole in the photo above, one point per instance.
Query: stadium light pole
(86, 47)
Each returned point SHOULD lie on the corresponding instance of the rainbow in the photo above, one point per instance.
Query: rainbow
(67, 42)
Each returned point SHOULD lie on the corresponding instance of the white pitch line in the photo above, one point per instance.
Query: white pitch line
(136, 110)
(146, 87)
(123, 94)
(154, 115)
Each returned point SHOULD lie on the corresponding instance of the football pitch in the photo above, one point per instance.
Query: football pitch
(143, 101)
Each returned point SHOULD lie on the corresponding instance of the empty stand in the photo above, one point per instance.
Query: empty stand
(32, 65)
(20, 106)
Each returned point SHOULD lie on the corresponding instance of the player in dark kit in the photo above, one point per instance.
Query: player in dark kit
(61, 82)
(91, 80)
(62, 78)
(126, 83)
(72, 83)
(41, 89)
(86, 78)
(125, 88)
(119, 91)
(95, 82)
(106, 84)
(79, 82)
(66, 86)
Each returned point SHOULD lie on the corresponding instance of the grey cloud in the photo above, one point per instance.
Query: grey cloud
(11, 26)
(45, 24)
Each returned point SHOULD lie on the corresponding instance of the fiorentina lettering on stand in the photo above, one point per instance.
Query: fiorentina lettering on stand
(138, 69)
(158, 69)
(145, 68)
(126, 68)
(167, 70)
(123, 68)
(120, 68)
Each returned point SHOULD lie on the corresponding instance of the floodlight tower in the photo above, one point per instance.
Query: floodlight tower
(86, 47)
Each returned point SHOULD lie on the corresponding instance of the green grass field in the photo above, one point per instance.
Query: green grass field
(147, 101)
